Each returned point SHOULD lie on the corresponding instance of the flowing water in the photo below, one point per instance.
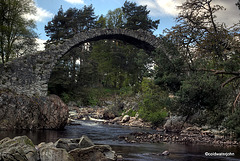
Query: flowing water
(108, 134)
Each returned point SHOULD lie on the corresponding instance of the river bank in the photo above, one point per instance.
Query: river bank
(182, 138)
(172, 132)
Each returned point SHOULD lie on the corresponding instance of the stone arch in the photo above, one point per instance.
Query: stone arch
(29, 74)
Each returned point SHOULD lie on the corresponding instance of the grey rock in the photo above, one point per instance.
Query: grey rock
(174, 124)
(19, 148)
(48, 152)
(165, 153)
(93, 153)
(85, 142)
(67, 144)
(125, 118)
(23, 112)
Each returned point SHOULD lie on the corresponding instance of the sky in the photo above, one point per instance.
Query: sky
(165, 10)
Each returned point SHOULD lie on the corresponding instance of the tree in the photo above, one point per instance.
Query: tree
(87, 18)
(137, 17)
(209, 86)
(69, 73)
(206, 44)
(115, 18)
(65, 25)
(197, 34)
(119, 64)
(101, 22)
(169, 67)
(55, 28)
(17, 36)
(202, 100)
(238, 4)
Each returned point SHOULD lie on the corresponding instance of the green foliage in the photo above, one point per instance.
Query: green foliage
(88, 96)
(66, 24)
(126, 91)
(232, 123)
(169, 67)
(156, 118)
(119, 64)
(74, 71)
(199, 92)
(137, 17)
(101, 22)
(66, 97)
(154, 103)
(232, 64)
(205, 45)
(115, 18)
(131, 113)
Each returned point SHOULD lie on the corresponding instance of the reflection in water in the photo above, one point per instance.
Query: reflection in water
(105, 134)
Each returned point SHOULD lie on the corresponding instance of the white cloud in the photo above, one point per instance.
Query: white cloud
(75, 1)
(40, 16)
(160, 8)
(229, 16)
(41, 45)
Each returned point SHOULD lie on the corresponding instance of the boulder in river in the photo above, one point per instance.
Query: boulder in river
(48, 152)
(19, 148)
(82, 149)
(174, 124)
(165, 153)
(67, 144)
(23, 112)
(108, 115)
(85, 142)
(93, 153)
(125, 118)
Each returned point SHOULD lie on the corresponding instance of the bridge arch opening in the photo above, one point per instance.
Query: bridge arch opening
(125, 74)
(105, 63)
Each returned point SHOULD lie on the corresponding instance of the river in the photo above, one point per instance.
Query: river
(108, 134)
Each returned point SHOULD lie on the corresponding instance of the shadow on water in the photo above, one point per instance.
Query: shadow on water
(105, 134)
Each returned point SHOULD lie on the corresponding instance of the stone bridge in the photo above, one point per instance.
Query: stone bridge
(29, 74)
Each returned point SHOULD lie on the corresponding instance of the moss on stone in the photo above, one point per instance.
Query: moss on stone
(29, 142)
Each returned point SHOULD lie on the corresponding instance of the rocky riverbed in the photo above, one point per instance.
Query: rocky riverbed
(190, 135)
(173, 131)
(105, 116)
(79, 149)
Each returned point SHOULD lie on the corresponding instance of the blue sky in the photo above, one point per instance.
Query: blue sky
(165, 10)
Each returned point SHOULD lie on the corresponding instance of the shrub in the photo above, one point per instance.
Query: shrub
(153, 104)
(200, 92)
(232, 123)
(131, 113)
(66, 97)
(126, 91)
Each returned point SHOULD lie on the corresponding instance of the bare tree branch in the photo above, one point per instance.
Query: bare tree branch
(230, 80)
(235, 102)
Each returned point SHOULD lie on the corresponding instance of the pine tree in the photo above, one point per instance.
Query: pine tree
(137, 17)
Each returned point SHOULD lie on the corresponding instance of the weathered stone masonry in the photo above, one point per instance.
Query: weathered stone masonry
(29, 74)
